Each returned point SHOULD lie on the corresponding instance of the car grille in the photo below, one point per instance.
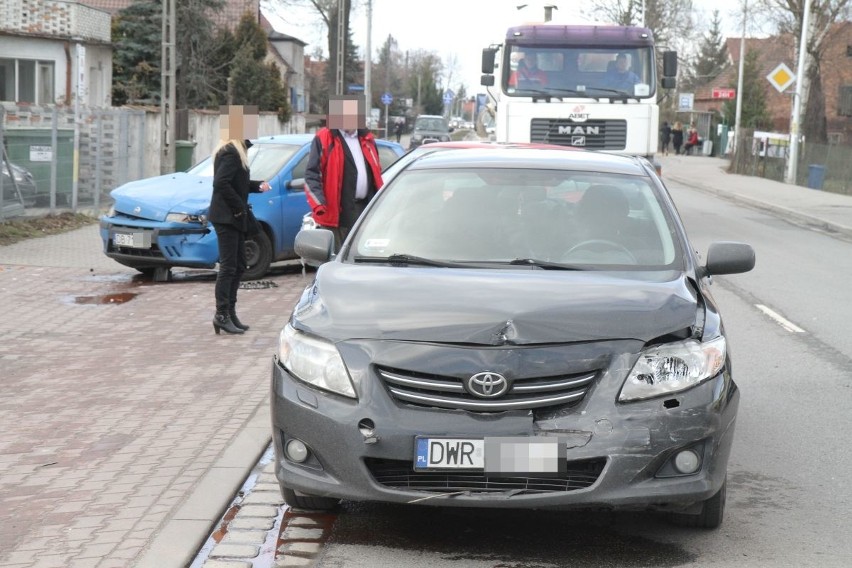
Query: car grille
(592, 134)
(153, 252)
(401, 475)
(449, 392)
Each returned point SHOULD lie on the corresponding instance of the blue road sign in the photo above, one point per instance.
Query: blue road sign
(448, 97)
(387, 99)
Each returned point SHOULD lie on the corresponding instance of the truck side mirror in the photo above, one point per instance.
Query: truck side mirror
(487, 80)
(488, 55)
(669, 82)
(669, 63)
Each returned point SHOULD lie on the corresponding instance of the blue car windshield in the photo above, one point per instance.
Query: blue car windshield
(265, 161)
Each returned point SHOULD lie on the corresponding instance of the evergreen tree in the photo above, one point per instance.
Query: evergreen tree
(195, 50)
(711, 59)
(753, 113)
(136, 34)
(252, 81)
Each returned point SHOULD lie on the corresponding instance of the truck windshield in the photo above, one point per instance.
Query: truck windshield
(578, 72)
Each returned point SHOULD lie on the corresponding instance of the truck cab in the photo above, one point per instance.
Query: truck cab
(586, 86)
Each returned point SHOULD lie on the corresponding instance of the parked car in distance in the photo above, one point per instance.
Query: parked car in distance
(429, 128)
(15, 175)
(160, 223)
(515, 328)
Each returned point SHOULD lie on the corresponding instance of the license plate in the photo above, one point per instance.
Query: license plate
(133, 240)
(449, 453)
(503, 455)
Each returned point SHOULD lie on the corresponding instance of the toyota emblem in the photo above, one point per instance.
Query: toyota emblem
(487, 385)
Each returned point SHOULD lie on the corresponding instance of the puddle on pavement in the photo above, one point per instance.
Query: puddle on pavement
(117, 298)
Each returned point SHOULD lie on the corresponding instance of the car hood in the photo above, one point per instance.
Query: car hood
(493, 308)
(154, 198)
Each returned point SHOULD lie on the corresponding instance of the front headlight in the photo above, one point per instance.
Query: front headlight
(185, 218)
(314, 361)
(111, 212)
(674, 367)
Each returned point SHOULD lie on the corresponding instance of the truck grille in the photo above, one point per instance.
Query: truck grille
(402, 475)
(592, 134)
(449, 392)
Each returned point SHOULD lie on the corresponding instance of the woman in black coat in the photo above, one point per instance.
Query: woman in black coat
(229, 213)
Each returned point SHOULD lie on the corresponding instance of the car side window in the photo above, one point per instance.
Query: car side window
(300, 168)
(386, 156)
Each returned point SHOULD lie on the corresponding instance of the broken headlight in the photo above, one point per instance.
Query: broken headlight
(673, 367)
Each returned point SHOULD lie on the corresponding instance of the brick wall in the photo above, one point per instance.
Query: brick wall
(54, 18)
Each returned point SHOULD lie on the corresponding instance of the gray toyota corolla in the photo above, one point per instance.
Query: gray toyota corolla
(511, 328)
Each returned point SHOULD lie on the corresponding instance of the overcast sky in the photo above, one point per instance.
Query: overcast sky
(459, 28)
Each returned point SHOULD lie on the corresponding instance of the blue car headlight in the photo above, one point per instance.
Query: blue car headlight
(665, 369)
(186, 218)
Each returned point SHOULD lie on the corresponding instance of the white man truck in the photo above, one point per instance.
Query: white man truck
(586, 86)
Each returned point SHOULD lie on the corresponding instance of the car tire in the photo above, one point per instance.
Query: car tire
(258, 256)
(308, 502)
(711, 515)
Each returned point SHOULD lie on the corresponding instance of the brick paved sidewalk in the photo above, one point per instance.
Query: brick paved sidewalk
(125, 427)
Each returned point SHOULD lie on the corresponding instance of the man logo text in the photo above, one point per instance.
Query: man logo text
(588, 130)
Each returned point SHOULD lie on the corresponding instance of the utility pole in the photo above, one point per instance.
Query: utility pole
(737, 128)
(368, 63)
(793, 157)
(341, 45)
(167, 88)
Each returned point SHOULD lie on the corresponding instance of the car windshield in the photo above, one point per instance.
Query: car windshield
(546, 218)
(265, 161)
(431, 123)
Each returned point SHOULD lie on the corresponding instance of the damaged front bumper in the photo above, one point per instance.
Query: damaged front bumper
(617, 455)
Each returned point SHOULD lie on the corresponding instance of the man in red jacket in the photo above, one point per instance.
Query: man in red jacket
(343, 171)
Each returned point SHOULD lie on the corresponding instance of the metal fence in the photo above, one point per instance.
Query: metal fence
(42, 172)
(820, 166)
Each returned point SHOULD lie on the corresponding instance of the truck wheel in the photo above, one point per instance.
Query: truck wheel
(258, 256)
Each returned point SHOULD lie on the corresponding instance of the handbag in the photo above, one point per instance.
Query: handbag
(252, 224)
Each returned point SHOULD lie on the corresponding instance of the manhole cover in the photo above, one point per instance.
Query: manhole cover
(258, 284)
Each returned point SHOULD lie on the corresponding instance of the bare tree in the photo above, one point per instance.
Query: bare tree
(789, 16)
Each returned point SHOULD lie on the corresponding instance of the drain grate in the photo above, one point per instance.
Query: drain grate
(258, 285)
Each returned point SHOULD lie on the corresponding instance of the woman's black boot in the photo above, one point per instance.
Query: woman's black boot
(238, 323)
(222, 322)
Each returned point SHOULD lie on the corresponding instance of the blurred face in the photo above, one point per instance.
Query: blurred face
(346, 112)
(621, 63)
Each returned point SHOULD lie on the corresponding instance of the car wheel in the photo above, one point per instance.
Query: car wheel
(308, 502)
(711, 515)
(258, 256)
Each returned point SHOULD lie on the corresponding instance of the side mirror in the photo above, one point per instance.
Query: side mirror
(487, 80)
(488, 55)
(728, 258)
(669, 63)
(668, 82)
(298, 183)
(315, 244)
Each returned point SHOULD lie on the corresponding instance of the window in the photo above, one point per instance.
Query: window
(844, 105)
(27, 81)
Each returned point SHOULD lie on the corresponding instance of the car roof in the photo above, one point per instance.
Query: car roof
(301, 139)
(531, 157)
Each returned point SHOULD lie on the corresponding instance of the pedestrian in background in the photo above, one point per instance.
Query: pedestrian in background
(665, 138)
(343, 172)
(677, 136)
(397, 129)
(231, 216)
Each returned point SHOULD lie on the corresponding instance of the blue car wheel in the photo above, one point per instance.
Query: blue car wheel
(258, 256)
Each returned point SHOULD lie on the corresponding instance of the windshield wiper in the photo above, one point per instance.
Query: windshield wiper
(406, 259)
(620, 94)
(545, 264)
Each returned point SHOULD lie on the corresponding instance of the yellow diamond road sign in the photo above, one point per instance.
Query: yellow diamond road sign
(781, 77)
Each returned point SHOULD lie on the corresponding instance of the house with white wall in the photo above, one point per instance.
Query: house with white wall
(55, 52)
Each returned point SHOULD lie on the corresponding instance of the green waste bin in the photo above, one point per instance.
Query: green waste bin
(183, 154)
(32, 149)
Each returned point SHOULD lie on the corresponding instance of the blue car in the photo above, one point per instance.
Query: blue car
(159, 223)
